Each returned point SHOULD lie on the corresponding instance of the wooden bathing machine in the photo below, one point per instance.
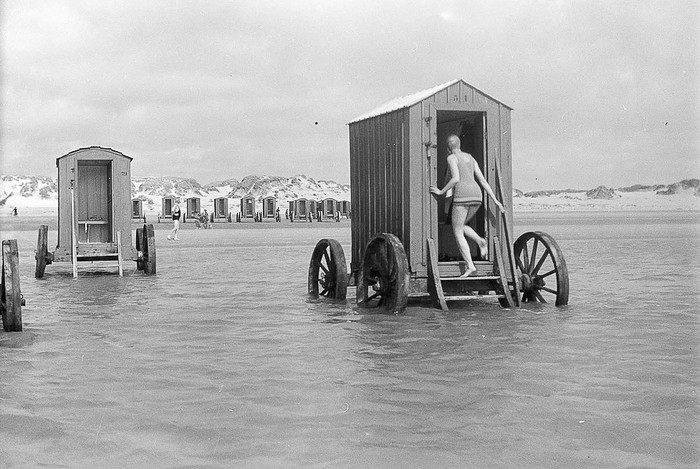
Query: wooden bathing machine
(220, 213)
(402, 241)
(98, 181)
(299, 207)
(343, 207)
(398, 150)
(136, 209)
(193, 207)
(167, 205)
(269, 207)
(94, 213)
(314, 207)
(248, 206)
(328, 207)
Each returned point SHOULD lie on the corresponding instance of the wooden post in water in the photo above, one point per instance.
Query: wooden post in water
(119, 252)
(11, 294)
(74, 236)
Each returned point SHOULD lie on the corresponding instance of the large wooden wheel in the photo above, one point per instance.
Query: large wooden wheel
(327, 270)
(42, 256)
(11, 301)
(544, 276)
(384, 275)
(139, 248)
(149, 249)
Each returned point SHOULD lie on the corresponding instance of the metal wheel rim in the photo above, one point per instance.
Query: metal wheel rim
(544, 274)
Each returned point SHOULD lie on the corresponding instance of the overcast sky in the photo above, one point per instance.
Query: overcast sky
(604, 92)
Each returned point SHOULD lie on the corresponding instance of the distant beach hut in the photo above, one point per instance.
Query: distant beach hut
(136, 209)
(299, 207)
(248, 206)
(269, 206)
(343, 207)
(220, 210)
(328, 207)
(194, 207)
(167, 205)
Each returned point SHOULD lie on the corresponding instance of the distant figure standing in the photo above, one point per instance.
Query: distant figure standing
(14, 212)
(467, 199)
(176, 222)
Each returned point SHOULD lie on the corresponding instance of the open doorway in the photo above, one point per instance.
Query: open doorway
(93, 201)
(470, 127)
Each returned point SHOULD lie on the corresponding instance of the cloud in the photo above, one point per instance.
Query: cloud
(236, 87)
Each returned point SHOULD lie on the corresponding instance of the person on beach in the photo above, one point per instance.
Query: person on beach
(466, 179)
(176, 222)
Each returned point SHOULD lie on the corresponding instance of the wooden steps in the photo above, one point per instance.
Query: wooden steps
(471, 277)
(446, 284)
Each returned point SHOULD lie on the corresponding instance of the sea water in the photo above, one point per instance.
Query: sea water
(222, 360)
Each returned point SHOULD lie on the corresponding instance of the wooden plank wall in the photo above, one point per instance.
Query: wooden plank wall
(121, 201)
(66, 173)
(379, 180)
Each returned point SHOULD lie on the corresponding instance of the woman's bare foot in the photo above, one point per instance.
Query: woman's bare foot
(484, 249)
(470, 270)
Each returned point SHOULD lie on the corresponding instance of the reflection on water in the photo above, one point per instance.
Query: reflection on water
(222, 360)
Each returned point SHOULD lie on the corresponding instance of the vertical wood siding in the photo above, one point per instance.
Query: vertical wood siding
(378, 172)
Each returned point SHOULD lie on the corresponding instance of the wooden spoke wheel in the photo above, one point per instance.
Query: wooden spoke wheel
(384, 275)
(327, 270)
(544, 276)
(42, 256)
(139, 249)
(148, 247)
(11, 304)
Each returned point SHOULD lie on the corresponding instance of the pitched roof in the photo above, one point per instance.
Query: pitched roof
(94, 147)
(411, 99)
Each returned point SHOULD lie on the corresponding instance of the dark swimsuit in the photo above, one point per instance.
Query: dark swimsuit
(176, 214)
(466, 191)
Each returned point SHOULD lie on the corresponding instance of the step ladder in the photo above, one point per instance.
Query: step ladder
(489, 280)
(95, 252)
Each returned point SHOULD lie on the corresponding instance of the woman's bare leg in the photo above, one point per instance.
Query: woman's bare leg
(471, 234)
(481, 242)
(459, 216)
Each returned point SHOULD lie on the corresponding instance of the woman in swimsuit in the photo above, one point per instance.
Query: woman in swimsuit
(176, 222)
(467, 199)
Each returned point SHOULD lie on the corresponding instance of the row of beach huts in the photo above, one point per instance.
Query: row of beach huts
(298, 209)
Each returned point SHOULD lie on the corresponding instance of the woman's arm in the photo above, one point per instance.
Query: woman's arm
(484, 183)
(454, 171)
